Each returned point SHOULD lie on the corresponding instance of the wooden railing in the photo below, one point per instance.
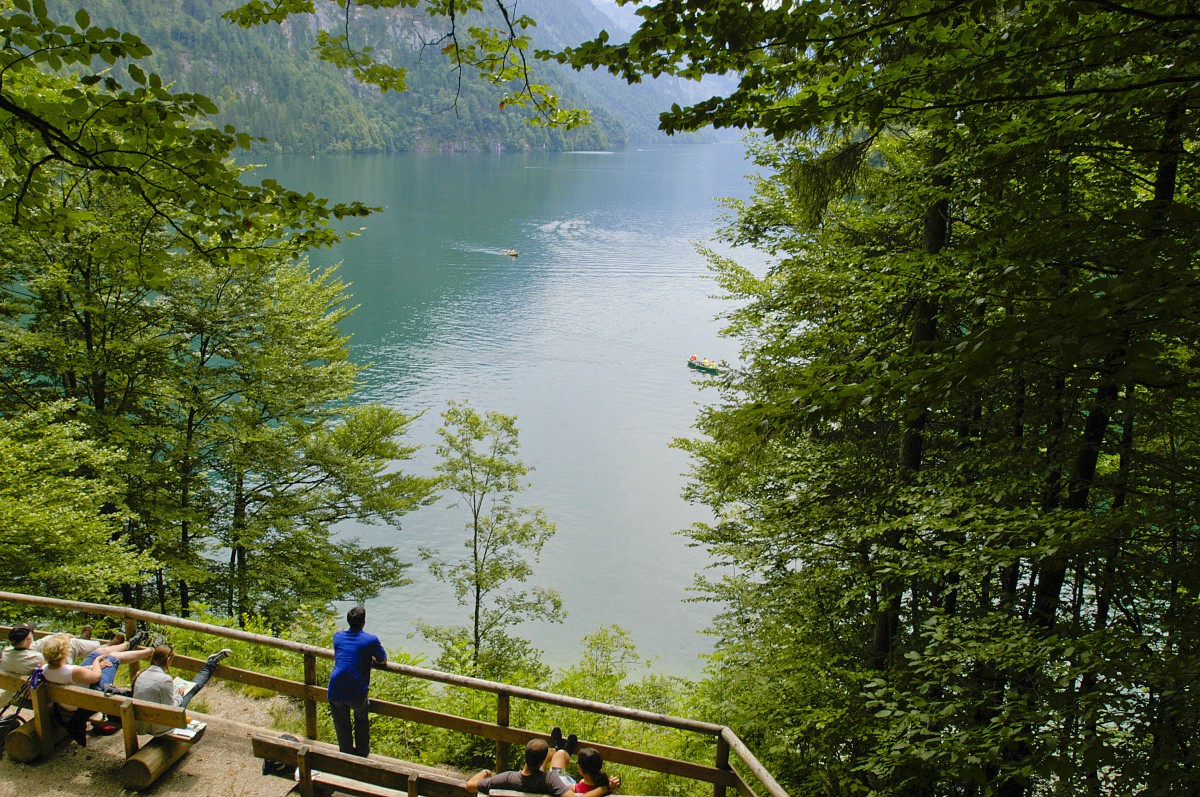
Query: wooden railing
(721, 775)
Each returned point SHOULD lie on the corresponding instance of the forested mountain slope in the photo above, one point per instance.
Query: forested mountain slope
(268, 82)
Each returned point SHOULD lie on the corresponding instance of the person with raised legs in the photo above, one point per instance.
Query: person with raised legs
(593, 781)
(158, 686)
(532, 777)
(98, 671)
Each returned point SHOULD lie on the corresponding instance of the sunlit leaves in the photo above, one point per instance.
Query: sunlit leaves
(54, 484)
(478, 461)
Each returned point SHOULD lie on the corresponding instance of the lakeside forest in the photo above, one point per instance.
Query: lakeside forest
(953, 474)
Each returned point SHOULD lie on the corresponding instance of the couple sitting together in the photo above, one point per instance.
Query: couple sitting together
(545, 771)
(56, 654)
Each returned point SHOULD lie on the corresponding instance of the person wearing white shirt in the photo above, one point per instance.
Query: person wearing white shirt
(24, 653)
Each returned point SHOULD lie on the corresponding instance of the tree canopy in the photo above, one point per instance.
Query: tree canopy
(478, 462)
(161, 329)
(955, 473)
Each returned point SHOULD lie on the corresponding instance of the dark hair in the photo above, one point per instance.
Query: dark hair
(18, 633)
(535, 753)
(590, 763)
(357, 618)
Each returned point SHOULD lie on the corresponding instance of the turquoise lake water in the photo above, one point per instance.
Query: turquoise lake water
(584, 337)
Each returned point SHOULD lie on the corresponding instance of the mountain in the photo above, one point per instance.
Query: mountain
(267, 81)
(636, 106)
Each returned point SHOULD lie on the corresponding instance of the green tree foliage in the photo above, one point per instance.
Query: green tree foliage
(225, 382)
(143, 139)
(956, 472)
(166, 299)
(478, 461)
(56, 537)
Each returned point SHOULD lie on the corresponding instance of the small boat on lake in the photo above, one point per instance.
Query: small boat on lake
(511, 252)
(706, 366)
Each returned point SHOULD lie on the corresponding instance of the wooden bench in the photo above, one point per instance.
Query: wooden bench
(144, 763)
(323, 769)
(515, 793)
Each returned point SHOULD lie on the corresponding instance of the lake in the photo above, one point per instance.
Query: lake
(584, 337)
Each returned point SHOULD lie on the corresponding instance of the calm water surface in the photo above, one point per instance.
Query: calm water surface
(583, 337)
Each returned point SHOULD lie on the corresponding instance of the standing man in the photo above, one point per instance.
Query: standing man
(157, 686)
(354, 652)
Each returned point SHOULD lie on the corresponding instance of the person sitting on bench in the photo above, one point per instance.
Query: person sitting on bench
(98, 671)
(157, 686)
(24, 653)
(531, 778)
(19, 659)
(593, 780)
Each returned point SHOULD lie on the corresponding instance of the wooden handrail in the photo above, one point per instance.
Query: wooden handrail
(310, 693)
(452, 679)
(764, 777)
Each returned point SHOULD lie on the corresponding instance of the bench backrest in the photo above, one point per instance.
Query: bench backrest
(388, 774)
(94, 700)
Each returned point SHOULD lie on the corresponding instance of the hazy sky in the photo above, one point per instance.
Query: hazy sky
(624, 17)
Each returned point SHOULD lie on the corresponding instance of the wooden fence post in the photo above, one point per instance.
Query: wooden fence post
(129, 728)
(42, 721)
(130, 630)
(722, 763)
(502, 721)
(304, 768)
(310, 705)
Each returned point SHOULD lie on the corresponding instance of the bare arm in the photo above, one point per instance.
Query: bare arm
(600, 791)
(472, 785)
(86, 676)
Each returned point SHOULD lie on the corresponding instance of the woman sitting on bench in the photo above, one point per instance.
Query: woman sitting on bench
(98, 670)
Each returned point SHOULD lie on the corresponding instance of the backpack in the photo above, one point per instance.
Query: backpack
(7, 725)
(278, 768)
(14, 720)
(74, 721)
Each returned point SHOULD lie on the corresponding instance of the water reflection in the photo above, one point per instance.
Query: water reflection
(584, 337)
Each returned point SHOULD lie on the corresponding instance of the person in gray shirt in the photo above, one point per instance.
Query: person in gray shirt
(156, 685)
(530, 779)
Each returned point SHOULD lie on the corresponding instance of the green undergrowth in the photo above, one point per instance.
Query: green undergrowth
(610, 670)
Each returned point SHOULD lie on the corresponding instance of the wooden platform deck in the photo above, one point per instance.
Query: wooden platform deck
(222, 766)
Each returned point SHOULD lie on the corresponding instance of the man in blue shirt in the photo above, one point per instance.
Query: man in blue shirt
(354, 651)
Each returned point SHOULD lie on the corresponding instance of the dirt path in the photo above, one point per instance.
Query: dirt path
(221, 765)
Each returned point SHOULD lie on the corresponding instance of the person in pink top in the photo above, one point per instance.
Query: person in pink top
(593, 781)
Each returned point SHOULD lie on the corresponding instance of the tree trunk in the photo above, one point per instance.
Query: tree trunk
(1173, 753)
(185, 486)
(923, 331)
(239, 585)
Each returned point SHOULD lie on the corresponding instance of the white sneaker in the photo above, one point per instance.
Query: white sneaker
(217, 657)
